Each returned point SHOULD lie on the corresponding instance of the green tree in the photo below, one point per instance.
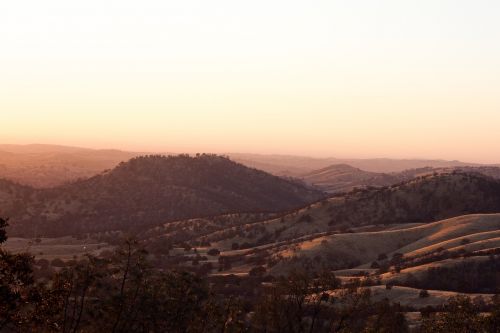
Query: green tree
(16, 281)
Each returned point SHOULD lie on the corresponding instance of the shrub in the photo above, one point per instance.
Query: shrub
(213, 252)
(257, 271)
(305, 218)
(382, 256)
(57, 263)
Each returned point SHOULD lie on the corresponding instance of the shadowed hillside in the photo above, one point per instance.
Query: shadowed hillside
(421, 200)
(149, 190)
(424, 199)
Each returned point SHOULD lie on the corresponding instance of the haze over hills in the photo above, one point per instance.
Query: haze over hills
(344, 178)
(52, 165)
(43, 166)
(299, 165)
(149, 190)
(251, 166)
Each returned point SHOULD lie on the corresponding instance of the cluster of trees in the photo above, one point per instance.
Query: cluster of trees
(467, 276)
(462, 315)
(195, 230)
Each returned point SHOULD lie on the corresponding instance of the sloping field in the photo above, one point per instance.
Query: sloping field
(470, 233)
(411, 296)
(421, 270)
(65, 248)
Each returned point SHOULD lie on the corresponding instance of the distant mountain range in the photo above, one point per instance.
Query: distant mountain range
(146, 191)
(298, 165)
(51, 165)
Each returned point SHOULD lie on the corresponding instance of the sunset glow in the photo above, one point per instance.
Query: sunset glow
(319, 78)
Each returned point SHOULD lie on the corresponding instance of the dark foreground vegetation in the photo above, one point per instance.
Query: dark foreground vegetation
(127, 293)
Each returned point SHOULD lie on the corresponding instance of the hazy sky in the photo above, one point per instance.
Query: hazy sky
(325, 78)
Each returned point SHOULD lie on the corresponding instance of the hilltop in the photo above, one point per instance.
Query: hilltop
(149, 190)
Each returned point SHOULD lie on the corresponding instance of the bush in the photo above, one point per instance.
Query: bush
(257, 271)
(382, 256)
(213, 252)
(305, 218)
(424, 293)
(57, 263)
(42, 262)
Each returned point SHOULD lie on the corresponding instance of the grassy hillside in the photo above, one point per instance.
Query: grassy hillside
(421, 200)
(461, 234)
(460, 254)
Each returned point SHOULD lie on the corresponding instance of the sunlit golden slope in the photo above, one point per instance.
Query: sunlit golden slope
(469, 233)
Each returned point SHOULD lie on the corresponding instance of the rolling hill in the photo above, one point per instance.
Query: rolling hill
(147, 191)
(456, 255)
(42, 166)
(421, 200)
(345, 178)
(469, 233)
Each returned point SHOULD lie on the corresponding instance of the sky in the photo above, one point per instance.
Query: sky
(399, 79)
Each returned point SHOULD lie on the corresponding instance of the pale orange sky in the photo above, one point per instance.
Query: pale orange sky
(319, 78)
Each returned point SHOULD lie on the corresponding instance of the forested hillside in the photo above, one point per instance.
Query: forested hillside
(146, 191)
